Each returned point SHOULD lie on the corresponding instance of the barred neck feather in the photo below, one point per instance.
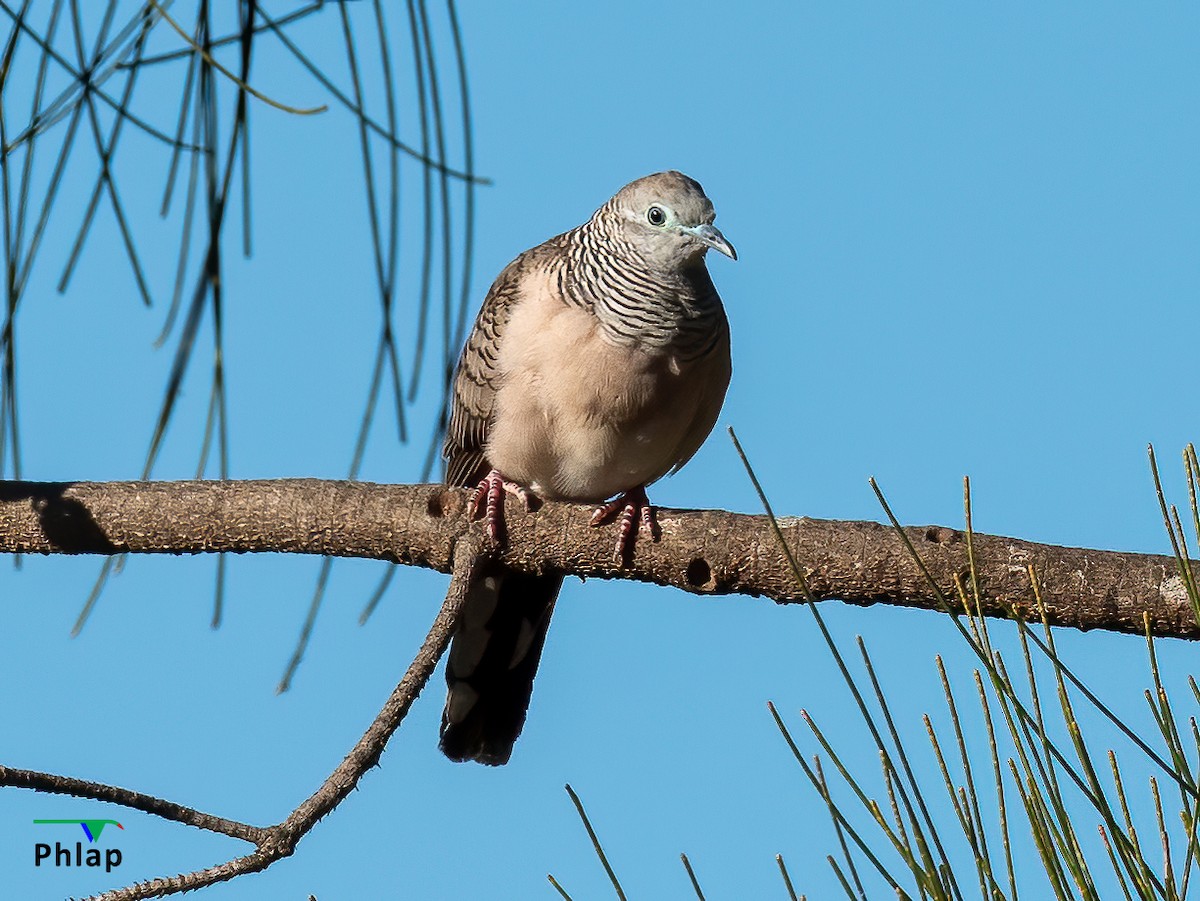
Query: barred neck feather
(677, 310)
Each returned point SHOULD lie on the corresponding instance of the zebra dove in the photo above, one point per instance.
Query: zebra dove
(597, 365)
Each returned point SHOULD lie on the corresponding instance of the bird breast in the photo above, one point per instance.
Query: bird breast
(581, 417)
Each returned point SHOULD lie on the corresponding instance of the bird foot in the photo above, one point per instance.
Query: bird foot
(634, 507)
(489, 499)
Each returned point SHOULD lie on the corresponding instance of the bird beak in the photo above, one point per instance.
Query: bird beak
(712, 237)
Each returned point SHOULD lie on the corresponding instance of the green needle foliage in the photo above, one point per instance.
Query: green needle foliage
(83, 86)
(1013, 795)
(1033, 748)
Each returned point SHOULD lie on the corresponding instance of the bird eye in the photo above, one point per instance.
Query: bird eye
(656, 216)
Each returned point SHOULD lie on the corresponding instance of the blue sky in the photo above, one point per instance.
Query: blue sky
(967, 246)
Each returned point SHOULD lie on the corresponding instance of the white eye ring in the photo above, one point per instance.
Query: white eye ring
(656, 216)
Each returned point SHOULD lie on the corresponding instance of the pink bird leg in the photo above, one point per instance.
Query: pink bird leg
(489, 497)
(633, 506)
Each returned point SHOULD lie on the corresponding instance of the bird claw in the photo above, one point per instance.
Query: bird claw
(488, 498)
(634, 508)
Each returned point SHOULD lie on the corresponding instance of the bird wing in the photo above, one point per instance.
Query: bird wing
(477, 379)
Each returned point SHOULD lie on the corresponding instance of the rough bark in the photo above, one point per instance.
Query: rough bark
(701, 551)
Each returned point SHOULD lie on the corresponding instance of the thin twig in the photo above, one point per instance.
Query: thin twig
(112, 794)
(687, 865)
(279, 841)
(296, 110)
(596, 843)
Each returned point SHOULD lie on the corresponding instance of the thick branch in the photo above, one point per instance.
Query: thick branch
(701, 551)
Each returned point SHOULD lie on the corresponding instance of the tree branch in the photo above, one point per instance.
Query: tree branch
(52, 783)
(276, 842)
(701, 551)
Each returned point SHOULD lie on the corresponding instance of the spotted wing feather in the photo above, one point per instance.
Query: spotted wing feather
(477, 378)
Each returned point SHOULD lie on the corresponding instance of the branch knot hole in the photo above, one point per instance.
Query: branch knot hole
(436, 504)
(699, 574)
(942, 535)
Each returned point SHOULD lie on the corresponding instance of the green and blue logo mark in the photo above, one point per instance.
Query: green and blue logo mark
(91, 828)
(77, 855)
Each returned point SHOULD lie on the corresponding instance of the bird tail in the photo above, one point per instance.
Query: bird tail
(493, 659)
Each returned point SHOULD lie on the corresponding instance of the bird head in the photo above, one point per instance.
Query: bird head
(668, 219)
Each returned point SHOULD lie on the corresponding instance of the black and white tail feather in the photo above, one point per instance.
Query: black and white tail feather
(492, 663)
